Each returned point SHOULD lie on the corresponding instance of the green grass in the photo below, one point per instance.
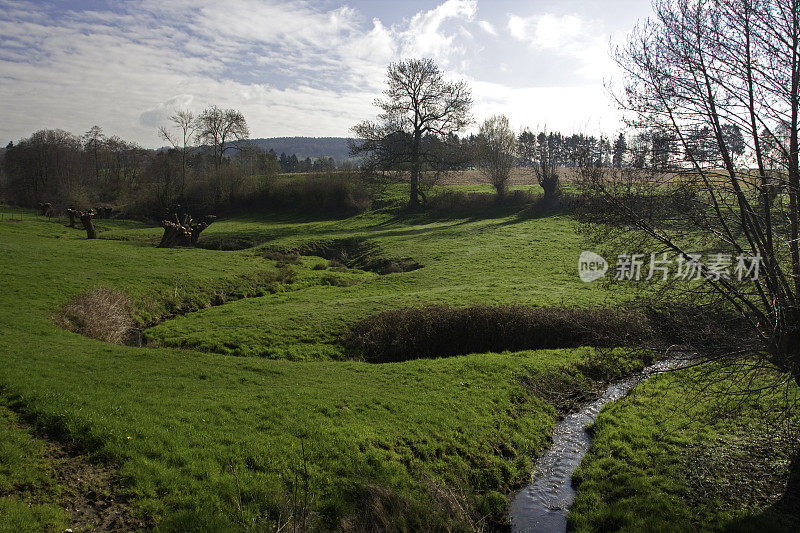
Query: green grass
(665, 459)
(407, 442)
(420, 435)
(27, 486)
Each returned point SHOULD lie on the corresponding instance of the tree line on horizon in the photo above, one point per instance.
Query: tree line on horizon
(209, 163)
(212, 165)
(208, 170)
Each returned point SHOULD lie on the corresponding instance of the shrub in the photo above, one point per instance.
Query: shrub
(565, 388)
(336, 281)
(338, 194)
(459, 201)
(102, 314)
(285, 274)
(440, 331)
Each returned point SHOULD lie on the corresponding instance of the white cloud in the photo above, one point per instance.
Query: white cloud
(425, 35)
(548, 30)
(487, 27)
(569, 35)
(290, 23)
(129, 71)
(159, 115)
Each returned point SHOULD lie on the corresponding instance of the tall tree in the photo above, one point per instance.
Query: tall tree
(49, 165)
(620, 148)
(732, 134)
(541, 153)
(186, 125)
(418, 103)
(219, 128)
(495, 152)
(93, 141)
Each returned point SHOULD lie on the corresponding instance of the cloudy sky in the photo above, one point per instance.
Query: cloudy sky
(298, 67)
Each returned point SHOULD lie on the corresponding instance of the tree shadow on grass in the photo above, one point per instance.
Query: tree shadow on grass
(783, 515)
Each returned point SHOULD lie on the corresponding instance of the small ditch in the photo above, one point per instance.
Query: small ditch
(543, 504)
(350, 252)
(360, 254)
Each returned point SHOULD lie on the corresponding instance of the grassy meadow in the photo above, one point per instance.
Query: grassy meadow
(242, 410)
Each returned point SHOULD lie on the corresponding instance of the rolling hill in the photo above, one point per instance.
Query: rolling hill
(313, 147)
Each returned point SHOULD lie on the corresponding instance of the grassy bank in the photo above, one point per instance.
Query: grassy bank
(503, 260)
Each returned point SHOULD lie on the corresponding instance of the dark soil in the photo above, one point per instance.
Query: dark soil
(89, 492)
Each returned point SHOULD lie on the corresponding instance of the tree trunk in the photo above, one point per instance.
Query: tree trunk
(551, 189)
(183, 232)
(71, 213)
(46, 210)
(413, 201)
(86, 219)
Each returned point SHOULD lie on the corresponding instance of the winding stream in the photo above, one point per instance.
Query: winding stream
(543, 505)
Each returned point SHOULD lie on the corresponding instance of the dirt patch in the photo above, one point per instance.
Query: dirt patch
(90, 492)
(87, 492)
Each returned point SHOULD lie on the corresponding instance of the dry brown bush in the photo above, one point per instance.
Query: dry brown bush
(102, 314)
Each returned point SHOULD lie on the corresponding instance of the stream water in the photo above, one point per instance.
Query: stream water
(543, 505)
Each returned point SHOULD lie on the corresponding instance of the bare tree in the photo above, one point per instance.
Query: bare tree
(49, 164)
(419, 106)
(696, 72)
(186, 124)
(219, 128)
(495, 152)
(540, 152)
